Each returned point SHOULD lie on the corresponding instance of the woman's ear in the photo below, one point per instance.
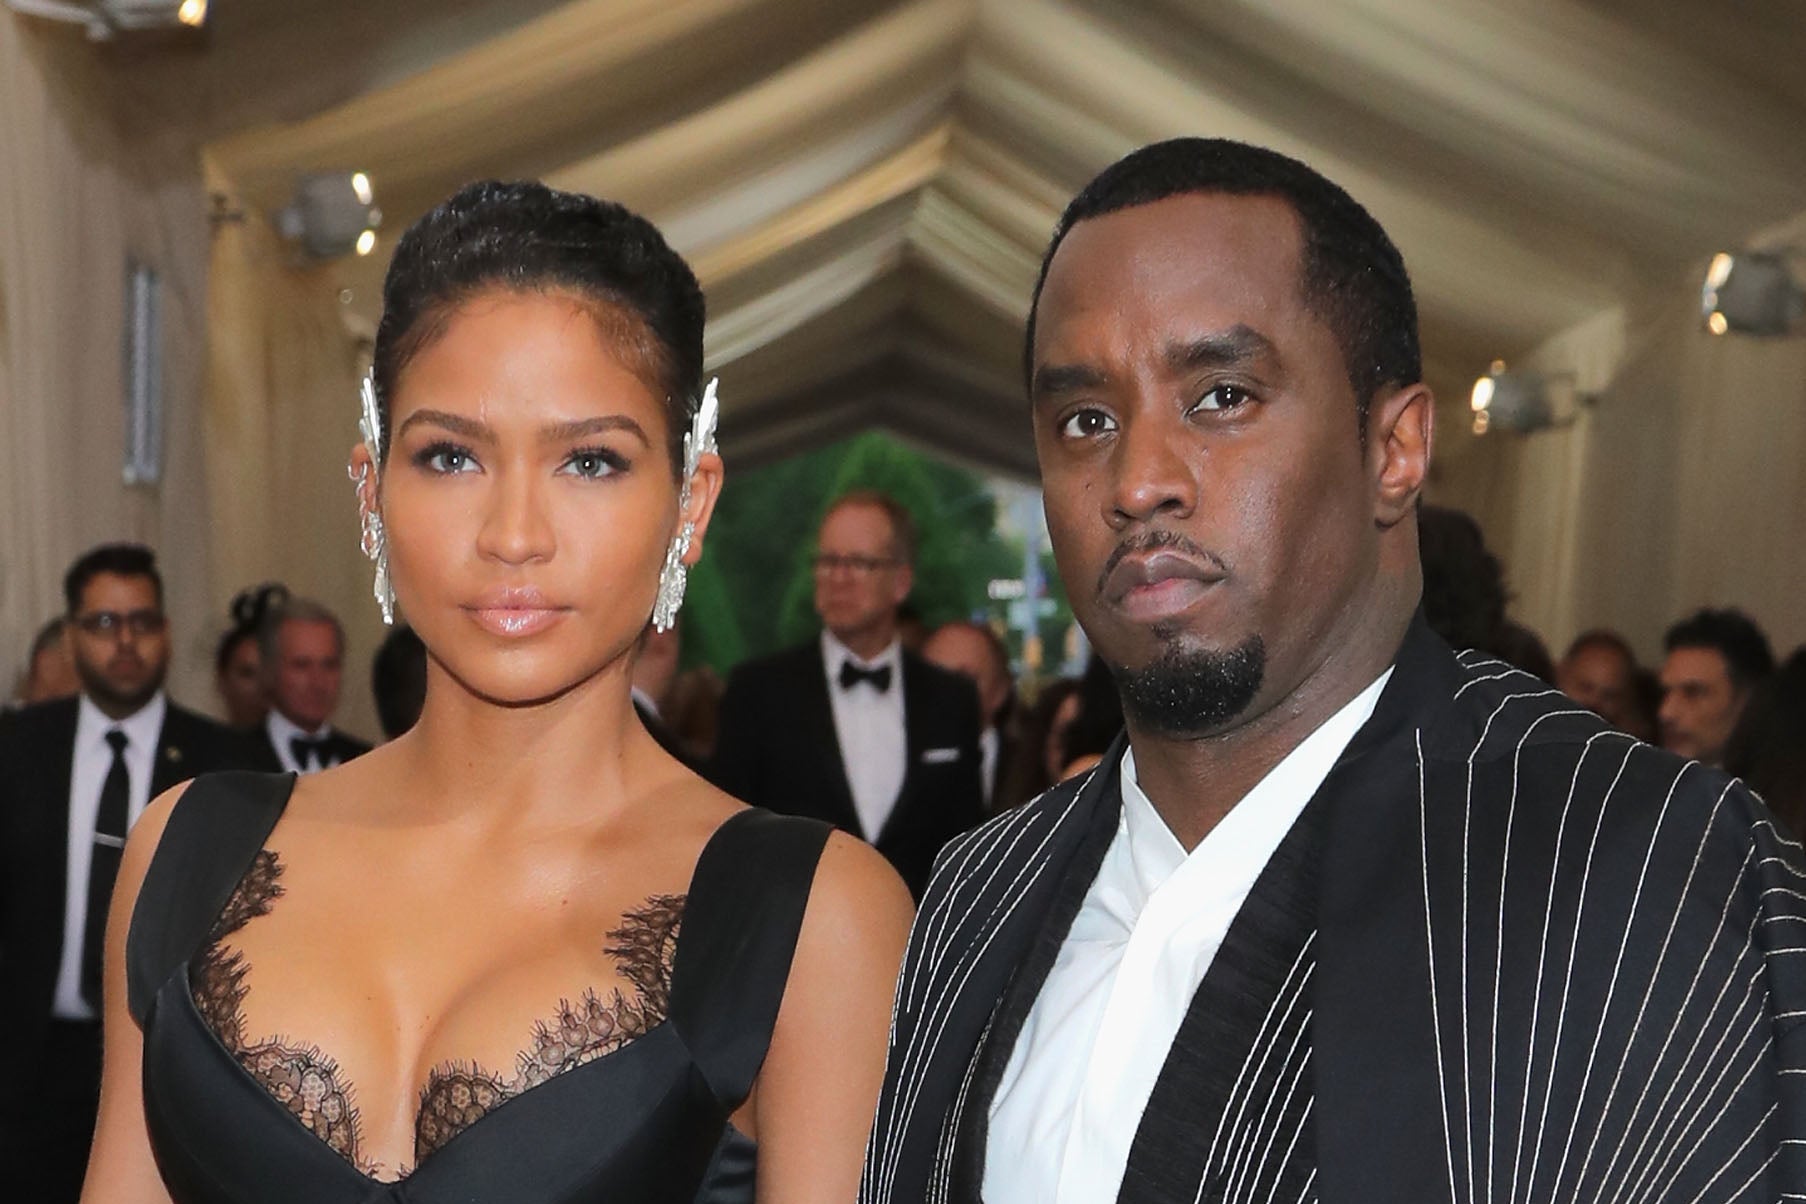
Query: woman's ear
(705, 491)
(362, 470)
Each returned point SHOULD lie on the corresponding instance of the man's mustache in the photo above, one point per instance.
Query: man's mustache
(1148, 541)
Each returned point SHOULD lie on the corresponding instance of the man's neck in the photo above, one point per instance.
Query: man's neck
(117, 710)
(314, 732)
(1194, 781)
(867, 644)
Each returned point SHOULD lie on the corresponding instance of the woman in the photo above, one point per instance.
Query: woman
(238, 662)
(519, 953)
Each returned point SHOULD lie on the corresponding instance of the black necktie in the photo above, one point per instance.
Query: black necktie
(303, 748)
(851, 675)
(110, 823)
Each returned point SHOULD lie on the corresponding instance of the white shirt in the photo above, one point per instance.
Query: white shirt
(989, 744)
(281, 730)
(1096, 1037)
(874, 744)
(91, 760)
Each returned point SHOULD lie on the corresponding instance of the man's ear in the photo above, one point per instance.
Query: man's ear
(1401, 427)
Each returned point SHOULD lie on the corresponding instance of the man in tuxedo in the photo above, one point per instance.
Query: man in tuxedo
(74, 775)
(303, 649)
(1345, 916)
(852, 728)
(974, 651)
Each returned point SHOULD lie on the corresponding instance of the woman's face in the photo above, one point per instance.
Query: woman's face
(241, 685)
(528, 496)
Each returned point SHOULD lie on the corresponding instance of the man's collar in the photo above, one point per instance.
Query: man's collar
(834, 653)
(283, 729)
(142, 727)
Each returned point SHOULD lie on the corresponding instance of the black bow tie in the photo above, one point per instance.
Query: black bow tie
(851, 675)
(303, 748)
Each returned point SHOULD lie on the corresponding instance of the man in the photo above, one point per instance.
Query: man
(303, 649)
(974, 651)
(76, 774)
(1599, 672)
(851, 728)
(1716, 658)
(1269, 949)
(51, 672)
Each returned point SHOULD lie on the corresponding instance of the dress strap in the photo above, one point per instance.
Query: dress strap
(215, 830)
(740, 928)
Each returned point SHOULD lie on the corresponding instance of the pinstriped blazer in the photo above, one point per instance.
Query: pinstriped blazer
(1505, 954)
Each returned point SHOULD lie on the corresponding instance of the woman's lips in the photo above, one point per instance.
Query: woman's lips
(515, 620)
(515, 611)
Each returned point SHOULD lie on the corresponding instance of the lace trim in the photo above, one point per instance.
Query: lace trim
(309, 1084)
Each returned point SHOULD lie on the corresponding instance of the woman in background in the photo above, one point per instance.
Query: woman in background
(520, 953)
(238, 662)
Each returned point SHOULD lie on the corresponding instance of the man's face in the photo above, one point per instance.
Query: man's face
(859, 579)
(1201, 462)
(958, 648)
(1598, 678)
(1700, 704)
(304, 684)
(120, 642)
(52, 674)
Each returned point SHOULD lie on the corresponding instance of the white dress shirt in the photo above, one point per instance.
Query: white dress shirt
(874, 744)
(282, 730)
(91, 761)
(1091, 1048)
(990, 743)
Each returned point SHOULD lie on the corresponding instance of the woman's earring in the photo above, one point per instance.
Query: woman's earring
(674, 577)
(375, 545)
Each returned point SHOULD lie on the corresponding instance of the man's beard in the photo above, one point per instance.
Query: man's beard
(1192, 691)
(110, 697)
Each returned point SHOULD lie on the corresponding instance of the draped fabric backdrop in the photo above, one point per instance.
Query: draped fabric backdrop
(865, 188)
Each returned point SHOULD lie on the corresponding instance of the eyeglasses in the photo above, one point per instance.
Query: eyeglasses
(110, 623)
(826, 562)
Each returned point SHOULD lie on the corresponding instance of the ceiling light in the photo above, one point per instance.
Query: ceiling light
(1751, 292)
(1524, 401)
(192, 13)
(332, 215)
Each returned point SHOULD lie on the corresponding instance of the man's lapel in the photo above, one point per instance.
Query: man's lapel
(173, 753)
(915, 707)
(817, 731)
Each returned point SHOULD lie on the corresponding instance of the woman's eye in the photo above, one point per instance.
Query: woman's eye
(593, 464)
(445, 459)
(1222, 397)
(1085, 424)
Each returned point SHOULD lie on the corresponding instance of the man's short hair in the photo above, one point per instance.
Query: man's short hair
(902, 523)
(47, 637)
(1351, 276)
(293, 610)
(1602, 637)
(120, 559)
(1733, 635)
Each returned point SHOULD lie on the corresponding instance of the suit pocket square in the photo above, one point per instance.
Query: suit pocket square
(939, 756)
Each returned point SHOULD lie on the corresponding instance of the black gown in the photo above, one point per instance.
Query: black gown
(647, 1121)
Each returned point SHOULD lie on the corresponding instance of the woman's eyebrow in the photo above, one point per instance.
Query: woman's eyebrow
(561, 432)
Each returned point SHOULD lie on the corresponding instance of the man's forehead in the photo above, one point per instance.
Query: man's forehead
(118, 585)
(1182, 268)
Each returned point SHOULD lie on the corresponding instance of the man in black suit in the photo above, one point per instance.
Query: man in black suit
(851, 728)
(74, 774)
(303, 647)
(977, 652)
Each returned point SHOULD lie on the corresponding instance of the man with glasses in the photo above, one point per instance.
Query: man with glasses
(74, 774)
(852, 728)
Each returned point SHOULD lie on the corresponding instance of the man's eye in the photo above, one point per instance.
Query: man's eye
(1086, 424)
(593, 463)
(1222, 397)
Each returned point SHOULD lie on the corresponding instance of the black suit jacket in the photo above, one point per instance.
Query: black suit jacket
(1392, 1010)
(338, 746)
(777, 748)
(37, 745)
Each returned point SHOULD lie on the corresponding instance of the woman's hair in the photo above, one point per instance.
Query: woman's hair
(248, 610)
(524, 237)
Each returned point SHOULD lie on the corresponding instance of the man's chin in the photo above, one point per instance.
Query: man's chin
(1189, 688)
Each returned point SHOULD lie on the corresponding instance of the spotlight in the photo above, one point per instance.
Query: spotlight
(332, 215)
(1751, 292)
(1523, 401)
(105, 18)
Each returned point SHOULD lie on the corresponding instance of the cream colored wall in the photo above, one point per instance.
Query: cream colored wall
(1684, 486)
(84, 186)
